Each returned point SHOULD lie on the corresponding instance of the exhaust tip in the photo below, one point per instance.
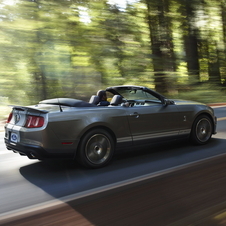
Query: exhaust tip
(32, 155)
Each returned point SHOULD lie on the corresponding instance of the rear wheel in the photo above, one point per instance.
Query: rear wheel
(96, 148)
(201, 130)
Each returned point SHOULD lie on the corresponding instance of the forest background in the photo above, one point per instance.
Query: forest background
(72, 48)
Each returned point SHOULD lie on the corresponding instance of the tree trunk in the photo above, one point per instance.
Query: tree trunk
(191, 43)
(214, 68)
(223, 16)
(163, 57)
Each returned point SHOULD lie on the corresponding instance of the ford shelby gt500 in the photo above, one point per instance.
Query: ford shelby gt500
(90, 133)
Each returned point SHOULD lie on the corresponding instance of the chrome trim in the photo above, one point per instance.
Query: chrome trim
(157, 135)
(151, 136)
(186, 131)
(124, 139)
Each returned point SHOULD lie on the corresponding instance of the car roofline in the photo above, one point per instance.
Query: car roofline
(114, 89)
(124, 86)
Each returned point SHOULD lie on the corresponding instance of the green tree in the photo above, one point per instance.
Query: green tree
(163, 57)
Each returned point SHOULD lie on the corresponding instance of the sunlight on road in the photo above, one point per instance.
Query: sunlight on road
(221, 119)
(15, 161)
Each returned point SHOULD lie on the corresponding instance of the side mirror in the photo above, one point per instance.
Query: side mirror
(166, 102)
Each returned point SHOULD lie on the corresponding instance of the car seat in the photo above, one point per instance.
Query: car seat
(116, 100)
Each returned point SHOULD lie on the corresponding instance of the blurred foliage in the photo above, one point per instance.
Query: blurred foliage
(72, 48)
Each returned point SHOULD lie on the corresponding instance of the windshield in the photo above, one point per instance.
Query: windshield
(136, 94)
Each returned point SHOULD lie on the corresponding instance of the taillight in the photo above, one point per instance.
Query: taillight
(9, 117)
(34, 121)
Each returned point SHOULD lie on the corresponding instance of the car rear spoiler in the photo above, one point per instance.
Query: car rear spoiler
(28, 109)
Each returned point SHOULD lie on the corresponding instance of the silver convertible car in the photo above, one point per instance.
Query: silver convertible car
(90, 133)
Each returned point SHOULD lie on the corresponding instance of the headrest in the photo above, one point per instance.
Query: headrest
(94, 100)
(101, 93)
(116, 100)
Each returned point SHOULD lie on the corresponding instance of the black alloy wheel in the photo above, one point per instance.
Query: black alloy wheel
(96, 148)
(201, 130)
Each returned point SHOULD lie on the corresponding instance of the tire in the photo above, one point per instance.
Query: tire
(201, 130)
(96, 149)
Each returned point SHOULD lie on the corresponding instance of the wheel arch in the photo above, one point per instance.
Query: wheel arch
(93, 128)
(201, 133)
(205, 114)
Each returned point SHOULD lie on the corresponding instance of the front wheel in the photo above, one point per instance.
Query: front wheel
(201, 130)
(96, 149)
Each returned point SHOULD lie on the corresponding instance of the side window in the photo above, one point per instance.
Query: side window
(151, 97)
(142, 95)
(145, 99)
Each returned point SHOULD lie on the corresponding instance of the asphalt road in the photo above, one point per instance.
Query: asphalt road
(194, 195)
(27, 184)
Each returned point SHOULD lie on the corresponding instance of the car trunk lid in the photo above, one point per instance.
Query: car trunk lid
(27, 117)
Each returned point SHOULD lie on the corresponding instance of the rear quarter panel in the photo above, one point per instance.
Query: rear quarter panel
(72, 124)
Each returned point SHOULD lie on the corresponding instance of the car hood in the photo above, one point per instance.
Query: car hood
(185, 102)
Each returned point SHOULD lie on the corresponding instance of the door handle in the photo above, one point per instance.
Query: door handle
(135, 114)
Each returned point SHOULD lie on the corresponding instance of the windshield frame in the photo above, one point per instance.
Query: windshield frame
(121, 90)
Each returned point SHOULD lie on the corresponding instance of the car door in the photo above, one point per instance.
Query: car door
(153, 121)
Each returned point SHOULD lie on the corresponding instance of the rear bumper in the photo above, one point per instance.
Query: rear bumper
(31, 151)
(36, 152)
